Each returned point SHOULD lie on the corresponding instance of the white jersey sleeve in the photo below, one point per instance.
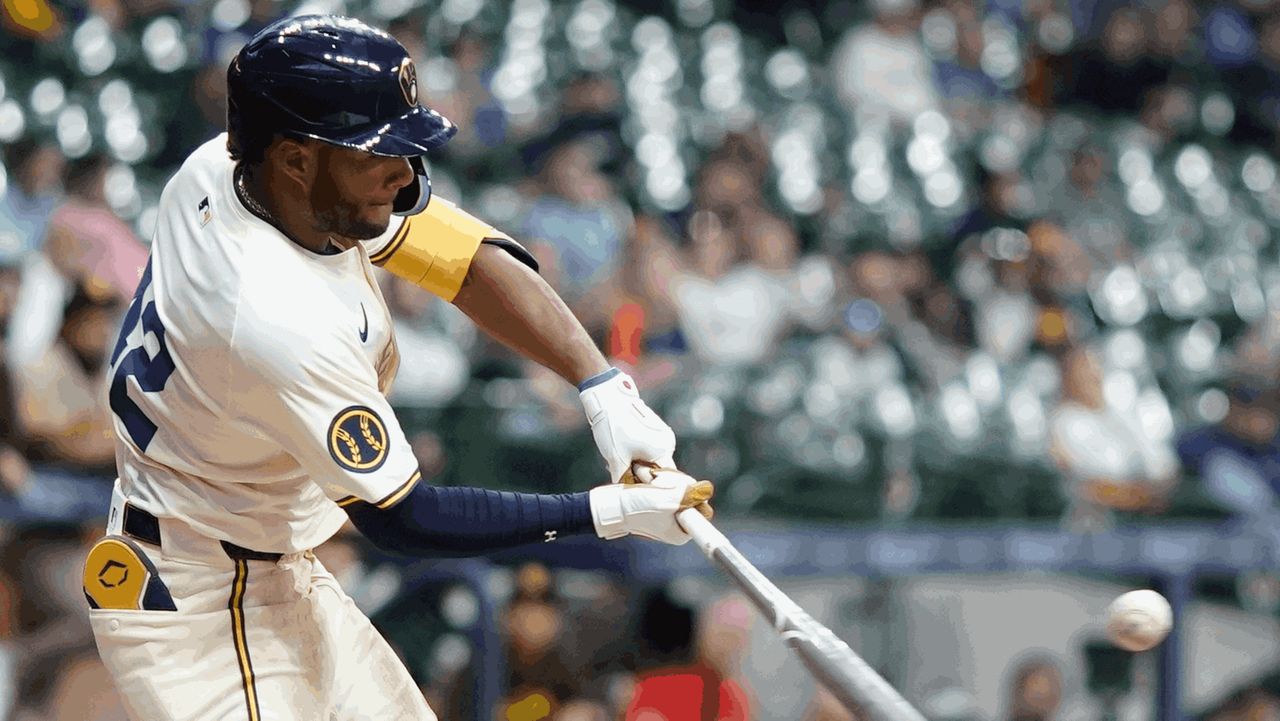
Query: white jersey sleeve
(312, 391)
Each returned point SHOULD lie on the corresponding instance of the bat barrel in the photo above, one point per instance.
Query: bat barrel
(843, 672)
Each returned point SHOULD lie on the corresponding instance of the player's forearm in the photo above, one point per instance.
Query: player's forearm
(457, 521)
(513, 304)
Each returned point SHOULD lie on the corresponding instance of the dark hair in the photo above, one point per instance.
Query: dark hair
(250, 127)
(247, 144)
(20, 152)
(81, 171)
(666, 628)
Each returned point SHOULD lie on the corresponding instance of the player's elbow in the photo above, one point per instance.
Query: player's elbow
(375, 529)
(416, 527)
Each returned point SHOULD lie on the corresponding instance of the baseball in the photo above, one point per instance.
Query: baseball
(1139, 620)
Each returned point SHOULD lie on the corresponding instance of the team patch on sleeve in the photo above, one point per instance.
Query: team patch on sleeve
(358, 439)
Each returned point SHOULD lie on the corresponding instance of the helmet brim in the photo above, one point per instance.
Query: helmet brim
(417, 132)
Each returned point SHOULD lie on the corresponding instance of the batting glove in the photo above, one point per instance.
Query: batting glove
(625, 428)
(649, 509)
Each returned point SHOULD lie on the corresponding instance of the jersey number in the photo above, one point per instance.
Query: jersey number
(150, 369)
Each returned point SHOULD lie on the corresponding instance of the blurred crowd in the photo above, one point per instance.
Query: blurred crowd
(883, 262)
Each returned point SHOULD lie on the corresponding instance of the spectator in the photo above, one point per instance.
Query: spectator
(62, 407)
(961, 80)
(1250, 704)
(88, 243)
(440, 369)
(1238, 459)
(1060, 272)
(863, 361)
(534, 623)
(577, 215)
(895, 295)
(1004, 311)
(880, 68)
(728, 187)
(458, 87)
(590, 110)
(602, 657)
(1035, 691)
(1169, 112)
(748, 149)
(1006, 200)
(537, 676)
(14, 470)
(634, 311)
(1173, 39)
(731, 313)
(34, 170)
(771, 244)
(1106, 458)
(1091, 210)
(706, 686)
(88, 247)
(1116, 74)
(1256, 88)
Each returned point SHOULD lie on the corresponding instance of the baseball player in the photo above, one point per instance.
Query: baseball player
(248, 388)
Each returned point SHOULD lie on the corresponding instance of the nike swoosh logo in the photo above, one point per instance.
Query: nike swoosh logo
(364, 332)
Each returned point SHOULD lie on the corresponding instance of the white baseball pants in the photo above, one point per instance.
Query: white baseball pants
(251, 640)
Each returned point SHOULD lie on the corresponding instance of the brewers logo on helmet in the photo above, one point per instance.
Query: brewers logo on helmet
(282, 82)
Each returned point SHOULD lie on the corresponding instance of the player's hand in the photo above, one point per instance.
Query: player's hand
(625, 428)
(644, 472)
(649, 509)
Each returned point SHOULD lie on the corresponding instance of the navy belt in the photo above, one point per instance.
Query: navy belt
(140, 524)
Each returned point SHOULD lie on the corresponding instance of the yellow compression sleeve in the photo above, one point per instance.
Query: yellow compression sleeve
(434, 248)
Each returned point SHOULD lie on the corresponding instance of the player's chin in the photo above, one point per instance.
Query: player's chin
(370, 224)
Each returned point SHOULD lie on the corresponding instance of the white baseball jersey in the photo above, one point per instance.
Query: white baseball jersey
(248, 384)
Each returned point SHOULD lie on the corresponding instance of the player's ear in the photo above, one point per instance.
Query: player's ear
(297, 160)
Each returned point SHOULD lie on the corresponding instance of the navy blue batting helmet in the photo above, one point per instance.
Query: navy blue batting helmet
(337, 80)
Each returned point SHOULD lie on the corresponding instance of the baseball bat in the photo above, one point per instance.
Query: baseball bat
(829, 659)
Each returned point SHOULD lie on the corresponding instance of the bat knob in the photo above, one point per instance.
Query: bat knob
(641, 472)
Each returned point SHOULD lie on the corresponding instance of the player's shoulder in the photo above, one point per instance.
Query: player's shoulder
(192, 193)
(211, 155)
(205, 165)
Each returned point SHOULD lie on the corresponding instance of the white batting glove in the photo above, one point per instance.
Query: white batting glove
(649, 509)
(625, 428)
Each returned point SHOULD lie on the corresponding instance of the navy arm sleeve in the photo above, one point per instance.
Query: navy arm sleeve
(459, 521)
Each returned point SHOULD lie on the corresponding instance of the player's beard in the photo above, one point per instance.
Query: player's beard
(341, 218)
(337, 215)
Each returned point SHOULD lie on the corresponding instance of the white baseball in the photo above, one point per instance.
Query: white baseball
(1139, 620)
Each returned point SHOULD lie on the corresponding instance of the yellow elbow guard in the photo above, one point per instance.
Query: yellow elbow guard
(434, 248)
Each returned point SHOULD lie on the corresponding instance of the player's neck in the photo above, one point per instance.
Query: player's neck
(288, 214)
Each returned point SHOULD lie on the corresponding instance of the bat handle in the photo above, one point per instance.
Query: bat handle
(707, 536)
(643, 471)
